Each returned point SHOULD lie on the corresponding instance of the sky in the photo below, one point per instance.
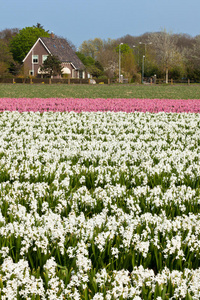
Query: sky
(81, 20)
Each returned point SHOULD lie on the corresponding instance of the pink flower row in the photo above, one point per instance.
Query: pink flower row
(84, 104)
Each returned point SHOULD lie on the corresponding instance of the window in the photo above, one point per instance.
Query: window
(44, 57)
(35, 59)
(80, 74)
(31, 72)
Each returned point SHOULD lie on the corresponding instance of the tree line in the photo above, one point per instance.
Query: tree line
(163, 54)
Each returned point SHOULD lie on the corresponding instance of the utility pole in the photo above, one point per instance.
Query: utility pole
(120, 62)
(143, 68)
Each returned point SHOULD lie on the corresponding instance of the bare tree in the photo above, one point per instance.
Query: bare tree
(7, 34)
(167, 54)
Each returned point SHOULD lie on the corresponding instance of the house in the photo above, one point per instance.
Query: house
(44, 46)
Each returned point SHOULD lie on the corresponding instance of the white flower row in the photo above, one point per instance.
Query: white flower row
(75, 187)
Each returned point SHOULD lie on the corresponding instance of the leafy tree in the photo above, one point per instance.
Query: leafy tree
(124, 48)
(94, 67)
(52, 66)
(129, 67)
(96, 70)
(86, 60)
(24, 40)
(128, 63)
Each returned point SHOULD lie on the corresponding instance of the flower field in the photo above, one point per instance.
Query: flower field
(99, 104)
(99, 204)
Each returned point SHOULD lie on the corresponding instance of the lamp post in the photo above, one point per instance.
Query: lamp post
(144, 56)
(138, 54)
(120, 62)
(143, 67)
(145, 46)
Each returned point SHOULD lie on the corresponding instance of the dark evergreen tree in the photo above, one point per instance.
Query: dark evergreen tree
(52, 66)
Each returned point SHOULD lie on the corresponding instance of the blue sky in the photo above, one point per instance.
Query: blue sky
(79, 20)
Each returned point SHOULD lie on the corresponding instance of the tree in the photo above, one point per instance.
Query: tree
(192, 57)
(129, 67)
(128, 64)
(52, 66)
(38, 25)
(109, 58)
(93, 67)
(5, 57)
(91, 47)
(167, 54)
(5, 54)
(7, 34)
(24, 40)
(124, 48)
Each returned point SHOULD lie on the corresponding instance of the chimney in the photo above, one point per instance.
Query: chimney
(52, 35)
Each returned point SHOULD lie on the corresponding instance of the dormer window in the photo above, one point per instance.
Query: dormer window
(35, 59)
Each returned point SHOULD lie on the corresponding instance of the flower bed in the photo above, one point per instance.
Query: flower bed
(78, 105)
(99, 205)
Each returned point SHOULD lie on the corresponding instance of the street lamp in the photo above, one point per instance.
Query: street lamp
(143, 67)
(120, 62)
(138, 54)
(145, 45)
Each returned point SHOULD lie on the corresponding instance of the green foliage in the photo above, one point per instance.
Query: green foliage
(86, 60)
(129, 67)
(52, 66)
(24, 40)
(176, 72)
(124, 48)
(94, 67)
(180, 53)
(146, 241)
(95, 70)
(82, 57)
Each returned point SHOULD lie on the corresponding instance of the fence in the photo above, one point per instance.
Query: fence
(150, 80)
(51, 80)
(87, 81)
